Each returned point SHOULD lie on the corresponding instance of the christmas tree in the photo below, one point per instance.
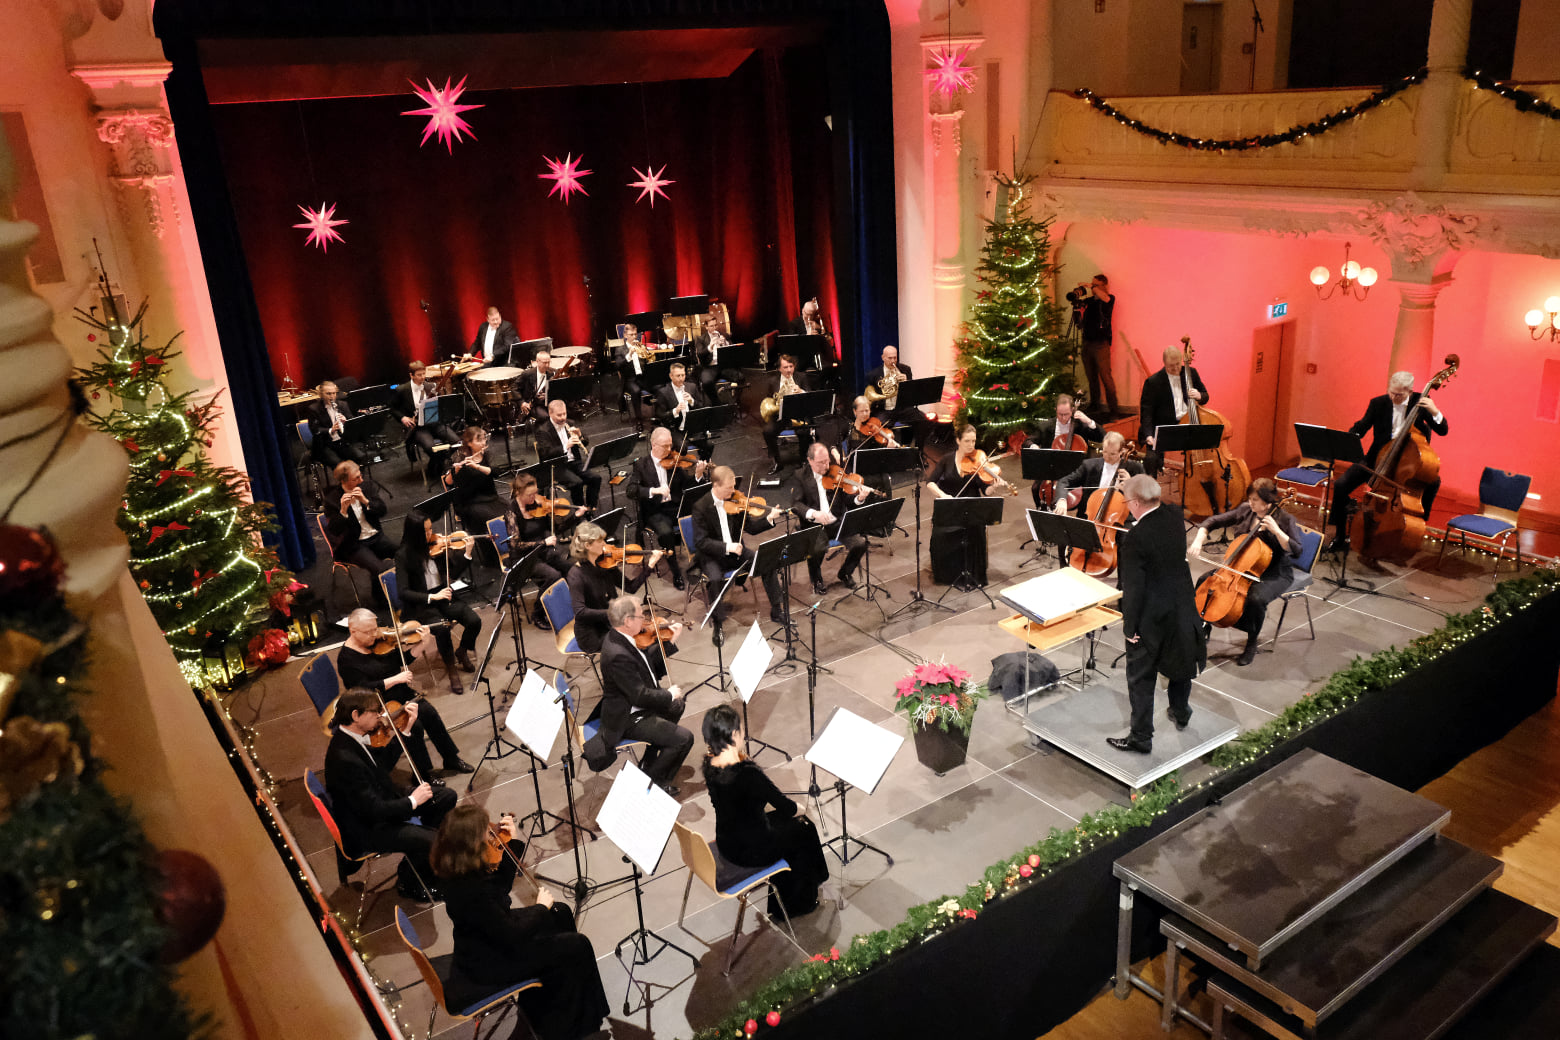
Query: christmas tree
(1013, 357)
(195, 540)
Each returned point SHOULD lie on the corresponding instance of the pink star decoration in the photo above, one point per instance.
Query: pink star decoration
(950, 74)
(565, 176)
(443, 113)
(650, 183)
(321, 225)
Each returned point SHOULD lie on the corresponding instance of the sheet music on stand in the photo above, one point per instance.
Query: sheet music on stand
(1057, 594)
(752, 661)
(855, 750)
(536, 716)
(638, 817)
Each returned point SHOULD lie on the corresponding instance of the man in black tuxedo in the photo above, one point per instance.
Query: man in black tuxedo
(888, 410)
(407, 404)
(1166, 396)
(816, 506)
(633, 705)
(658, 490)
(1384, 418)
(532, 386)
(373, 812)
(494, 339)
(327, 422)
(789, 381)
(674, 401)
(1068, 424)
(1106, 469)
(1158, 613)
(555, 440)
(354, 514)
(717, 542)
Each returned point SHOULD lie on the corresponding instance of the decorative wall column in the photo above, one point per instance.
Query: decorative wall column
(1435, 117)
(944, 135)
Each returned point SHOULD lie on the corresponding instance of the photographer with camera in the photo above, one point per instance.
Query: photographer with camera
(1093, 305)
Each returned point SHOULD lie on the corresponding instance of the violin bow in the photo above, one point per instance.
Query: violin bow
(396, 732)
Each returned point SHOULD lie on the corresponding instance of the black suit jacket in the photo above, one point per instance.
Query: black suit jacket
(526, 388)
(803, 380)
(363, 797)
(411, 583)
(548, 446)
(343, 532)
(874, 375)
(626, 686)
(1088, 474)
(707, 542)
(642, 479)
(1378, 420)
(591, 589)
(1045, 432)
(401, 403)
(666, 402)
(1156, 405)
(1157, 603)
(804, 496)
(319, 419)
(505, 338)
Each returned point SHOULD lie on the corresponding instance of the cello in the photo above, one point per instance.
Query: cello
(1107, 510)
(1221, 598)
(1207, 491)
(1074, 442)
(1391, 517)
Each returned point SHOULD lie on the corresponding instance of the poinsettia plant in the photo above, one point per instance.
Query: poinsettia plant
(936, 693)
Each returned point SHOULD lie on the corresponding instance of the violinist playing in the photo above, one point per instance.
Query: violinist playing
(498, 944)
(717, 542)
(1061, 434)
(633, 704)
(361, 667)
(373, 812)
(423, 577)
(592, 583)
(1261, 512)
(866, 434)
(962, 473)
(817, 506)
(563, 444)
(534, 524)
(658, 487)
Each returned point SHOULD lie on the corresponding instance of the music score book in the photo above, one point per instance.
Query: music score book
(536, 716)
(1056, 595)
(855, 750)
(638, 817)
(752, 661)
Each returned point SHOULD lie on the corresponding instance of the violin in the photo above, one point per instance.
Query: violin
(495, 846)
(617, 555)
(1221, 597)
(739, 503)
(680, 460)
(548, 507)
(873, 429)
(836, 479)
(656, 630)
(396, 718)
(981, 465)
(459, 541)
(411, 633)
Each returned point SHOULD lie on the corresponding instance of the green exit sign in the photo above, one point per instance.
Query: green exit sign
(1277, 310)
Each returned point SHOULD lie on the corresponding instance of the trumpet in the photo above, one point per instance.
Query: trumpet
(886, 387)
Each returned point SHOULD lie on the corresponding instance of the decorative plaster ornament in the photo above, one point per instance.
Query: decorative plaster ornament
(321, 225)
(565, 176)
(443, 113)
(651, 183)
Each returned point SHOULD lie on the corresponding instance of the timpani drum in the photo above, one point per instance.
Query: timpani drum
(495, 387)
(581, 356)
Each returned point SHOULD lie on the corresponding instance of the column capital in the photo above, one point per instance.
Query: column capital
(1423, 240)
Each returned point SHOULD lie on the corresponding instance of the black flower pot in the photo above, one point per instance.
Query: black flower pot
(941, 750)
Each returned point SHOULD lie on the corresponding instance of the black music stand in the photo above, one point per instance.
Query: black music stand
(571, 390)
(738, 355)
(781, 552)
(806, 406)
(690, 498)
(812, 351)
(645, 321)
(509, 591)
(611, 521)
(971, 514)
(524, 351)
(371, 398)
(371, 430)
(1329, 446)
(500, 746)
(859, 520)
(905, 459)
(704, 421)
(918, 393)
(605, 453)
(435, 506)
(1041, 464)
(1185, 437)
(448, 409)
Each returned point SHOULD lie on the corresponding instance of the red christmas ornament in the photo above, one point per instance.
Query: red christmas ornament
(191, 902)
(1026, 870)
(91, 338)
(30, 565)
(750, 1027)
(772, 1019)
(1034, 861)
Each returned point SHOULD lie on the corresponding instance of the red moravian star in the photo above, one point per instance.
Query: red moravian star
(321, 224)
(951, 74)
(650, 183)
(443, 113)
(565, 176)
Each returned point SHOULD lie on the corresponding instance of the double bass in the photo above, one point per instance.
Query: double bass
(1107, 510)
(1391, 517)
(1207, 492)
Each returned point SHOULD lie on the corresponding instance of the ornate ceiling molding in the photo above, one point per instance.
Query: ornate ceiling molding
(1416, 233)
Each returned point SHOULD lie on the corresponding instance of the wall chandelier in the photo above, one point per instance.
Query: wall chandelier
(1546, 320)
(1353, 279)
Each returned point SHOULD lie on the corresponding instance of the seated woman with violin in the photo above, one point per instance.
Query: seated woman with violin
(537, 521)
(598, 575)
(424, 570)
(754, 823)
(498, 944)
(965, 472)
(719, 521)
(374, 659)
(868, 432)
(1224, 596)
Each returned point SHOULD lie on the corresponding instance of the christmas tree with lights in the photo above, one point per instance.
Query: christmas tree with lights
(1012, 355)
(195, 539)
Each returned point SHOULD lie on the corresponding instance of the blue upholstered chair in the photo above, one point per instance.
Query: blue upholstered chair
(460, 998)
(1501, 495)
(1311, 545)
(729, 881)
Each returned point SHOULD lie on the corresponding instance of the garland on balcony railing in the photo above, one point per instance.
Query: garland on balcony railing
(1362, 676)
(1524, 101)
(1246, 144)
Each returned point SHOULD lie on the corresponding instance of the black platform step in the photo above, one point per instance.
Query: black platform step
(1525, 1006)
(1318, 971)
(1426, 992)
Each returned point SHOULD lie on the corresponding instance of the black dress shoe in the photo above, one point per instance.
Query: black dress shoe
(818, 588)
(1337, 545)
(848, 580)
(671, 789)
(458, 765)
(678, 583)
(540, 621)
(1128, 744)
(1247, 655)
(1179, 723)
(774, 467)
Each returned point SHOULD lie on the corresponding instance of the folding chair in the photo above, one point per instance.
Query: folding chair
(346, 863)
(1501, 495)
(697, 579)
(558, 605)
(337, 567)
(460, 998)
(392, 590)
(1315, 477)
(323, 686)
(587, 730)
(729, 881)
(1311, 545)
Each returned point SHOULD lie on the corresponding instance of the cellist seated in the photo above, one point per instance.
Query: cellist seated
(1263, 515)
(1103, 470)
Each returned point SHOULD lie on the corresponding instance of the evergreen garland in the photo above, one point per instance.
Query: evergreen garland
(1521, 99)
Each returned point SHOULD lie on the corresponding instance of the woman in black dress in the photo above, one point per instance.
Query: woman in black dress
(592, 586)
(754, 823)
(958, 546)
(1263, 513)
(497, 944)
(548, 532)
(476, 496)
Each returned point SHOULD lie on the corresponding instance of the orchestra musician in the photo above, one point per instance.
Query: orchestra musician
(361, 668)
(755, 824)
(1158, 613)
(892, 372)
(633, 705)
(630, 364)
(494, 339)
(471, 477)
(658, 491)
(423, 581)
(328, 422)
(1384, 418)
(497, 944)
(713, 336)
(531, 532)
(532, 386)
(785, 382)
(674, 401)
(1164, 401)
(556, 440)
(717, 543)
(1261, 512)
(592, 586)
(855, 440)
(407, 404)
(952, 545)
(354, 512)
(817, 506)
(1107, 469)
(1068, 423)
(374, 813)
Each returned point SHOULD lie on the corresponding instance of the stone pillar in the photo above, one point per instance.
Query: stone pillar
(944, 119)
(1435, 118)
(1413, 339)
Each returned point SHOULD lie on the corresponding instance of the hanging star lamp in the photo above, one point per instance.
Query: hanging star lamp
(650, 183)
(321, 225)
(443, 112)
(565, 176)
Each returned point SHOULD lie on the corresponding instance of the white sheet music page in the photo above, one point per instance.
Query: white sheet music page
(855, 750)
(1057, 594)
(754, 656)
(638, 817)
(534, 719)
